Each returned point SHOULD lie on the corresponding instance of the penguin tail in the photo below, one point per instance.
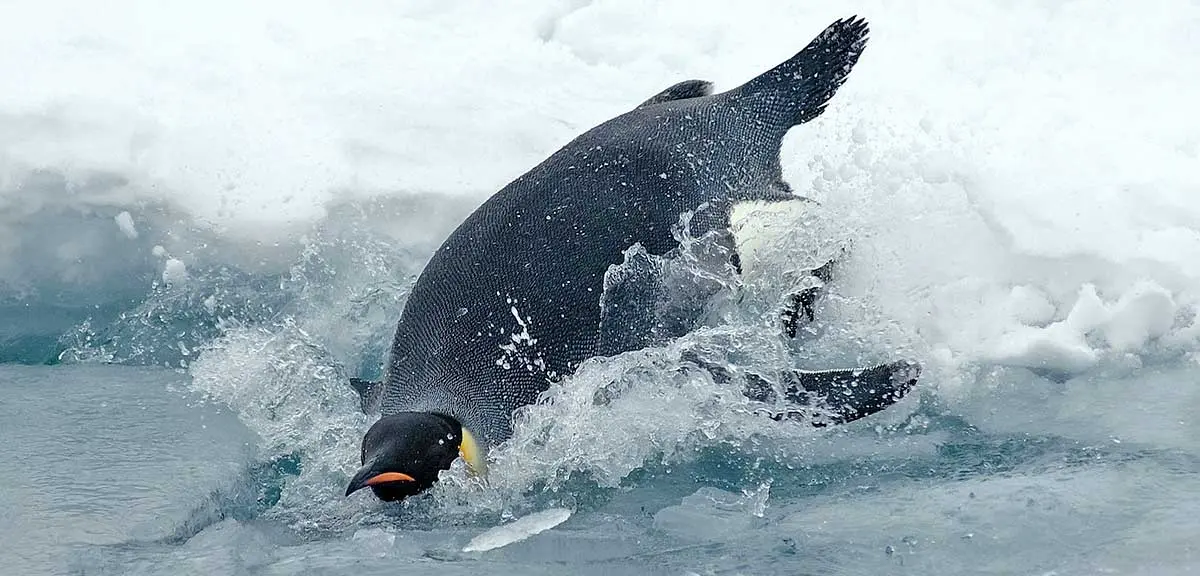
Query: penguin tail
(797, 90)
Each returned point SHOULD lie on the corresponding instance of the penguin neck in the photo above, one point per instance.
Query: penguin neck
(469, 448)
(473, 453)
(471, 408)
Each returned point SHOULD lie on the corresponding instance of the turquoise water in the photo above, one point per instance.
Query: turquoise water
(121, 470)
(205, 427)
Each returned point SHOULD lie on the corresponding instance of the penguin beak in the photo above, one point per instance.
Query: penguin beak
(368, 476)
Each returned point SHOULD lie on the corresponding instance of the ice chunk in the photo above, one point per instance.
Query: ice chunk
(519, 530)
(1145, 312)
(125, 223)
(1061, 346)
(1089, 311)
(711, 513)
(174, 272)
(1028, 305)
(1057, 347)
(375, 540)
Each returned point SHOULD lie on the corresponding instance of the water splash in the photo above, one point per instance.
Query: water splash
(289, 391)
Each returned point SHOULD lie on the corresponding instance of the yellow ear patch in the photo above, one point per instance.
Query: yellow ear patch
(473, 453)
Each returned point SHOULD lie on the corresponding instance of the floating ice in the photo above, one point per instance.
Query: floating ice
(518, 530)
(711, 514)
(174, 272)
(1145, 312)
(375, 540)
(125, 223)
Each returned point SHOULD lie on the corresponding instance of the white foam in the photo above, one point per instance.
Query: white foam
(296, 402)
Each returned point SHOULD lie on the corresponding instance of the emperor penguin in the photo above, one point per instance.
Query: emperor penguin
(559, 266)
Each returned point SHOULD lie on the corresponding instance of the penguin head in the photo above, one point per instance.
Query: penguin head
(402, 454)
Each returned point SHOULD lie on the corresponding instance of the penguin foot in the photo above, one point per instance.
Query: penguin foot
(799, 306)
(825, 397)
(831, 397)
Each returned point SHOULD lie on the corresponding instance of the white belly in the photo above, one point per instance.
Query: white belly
(758, 226)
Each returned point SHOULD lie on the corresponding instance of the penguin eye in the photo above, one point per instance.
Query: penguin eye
(443, 450)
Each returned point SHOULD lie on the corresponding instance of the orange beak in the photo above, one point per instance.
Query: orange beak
(389, 477)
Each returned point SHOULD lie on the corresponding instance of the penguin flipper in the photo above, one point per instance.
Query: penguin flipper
(649, 300)
(841, 396)
(681, 91)
(628, 305)
(369, 392)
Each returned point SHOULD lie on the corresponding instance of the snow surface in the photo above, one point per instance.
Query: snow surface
(1005, 166)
